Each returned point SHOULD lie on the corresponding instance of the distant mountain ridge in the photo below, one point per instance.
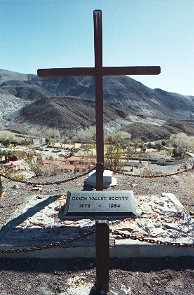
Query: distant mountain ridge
(68, 104)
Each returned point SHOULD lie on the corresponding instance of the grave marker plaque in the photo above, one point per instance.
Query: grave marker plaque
(100, 204)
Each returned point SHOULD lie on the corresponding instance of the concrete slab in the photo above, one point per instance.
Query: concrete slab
(108, 179)
(40, 222)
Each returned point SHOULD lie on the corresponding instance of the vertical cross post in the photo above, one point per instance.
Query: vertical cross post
(97, 17)
(102, 256)
(102, 227)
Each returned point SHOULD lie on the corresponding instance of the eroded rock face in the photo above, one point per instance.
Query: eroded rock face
(124, 98)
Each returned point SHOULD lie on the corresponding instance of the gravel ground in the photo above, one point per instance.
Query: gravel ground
(77, 276)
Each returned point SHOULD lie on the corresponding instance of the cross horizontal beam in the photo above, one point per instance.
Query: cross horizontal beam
(104, 71)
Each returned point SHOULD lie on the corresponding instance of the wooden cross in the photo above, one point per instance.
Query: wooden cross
(98, 72)
(102, 228)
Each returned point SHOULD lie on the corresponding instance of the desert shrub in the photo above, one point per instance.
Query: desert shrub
(6, 142)
(18, 177)
(178, 152)
(27, 156)
(49, 158)
(183, 141)
(88, 150)
(51, 170)
(15, 176)
(37, 167)
(163, 142)
(113, 158)
(6, 137)
(41, 169)
(26, 142)
(158, 146)
(85, 136)
(146, 172)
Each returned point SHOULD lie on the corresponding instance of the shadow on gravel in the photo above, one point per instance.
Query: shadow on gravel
(29, 213)
(60, 266)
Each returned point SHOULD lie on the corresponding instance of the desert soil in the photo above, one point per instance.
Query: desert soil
(77, 276)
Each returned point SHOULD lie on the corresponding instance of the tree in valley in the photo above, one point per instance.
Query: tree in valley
(115, 145)
(181, 143)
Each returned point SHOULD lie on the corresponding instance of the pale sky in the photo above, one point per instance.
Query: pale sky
(59, 33)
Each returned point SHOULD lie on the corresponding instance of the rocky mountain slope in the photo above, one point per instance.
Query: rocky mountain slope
(67, 112)
(68, 104)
